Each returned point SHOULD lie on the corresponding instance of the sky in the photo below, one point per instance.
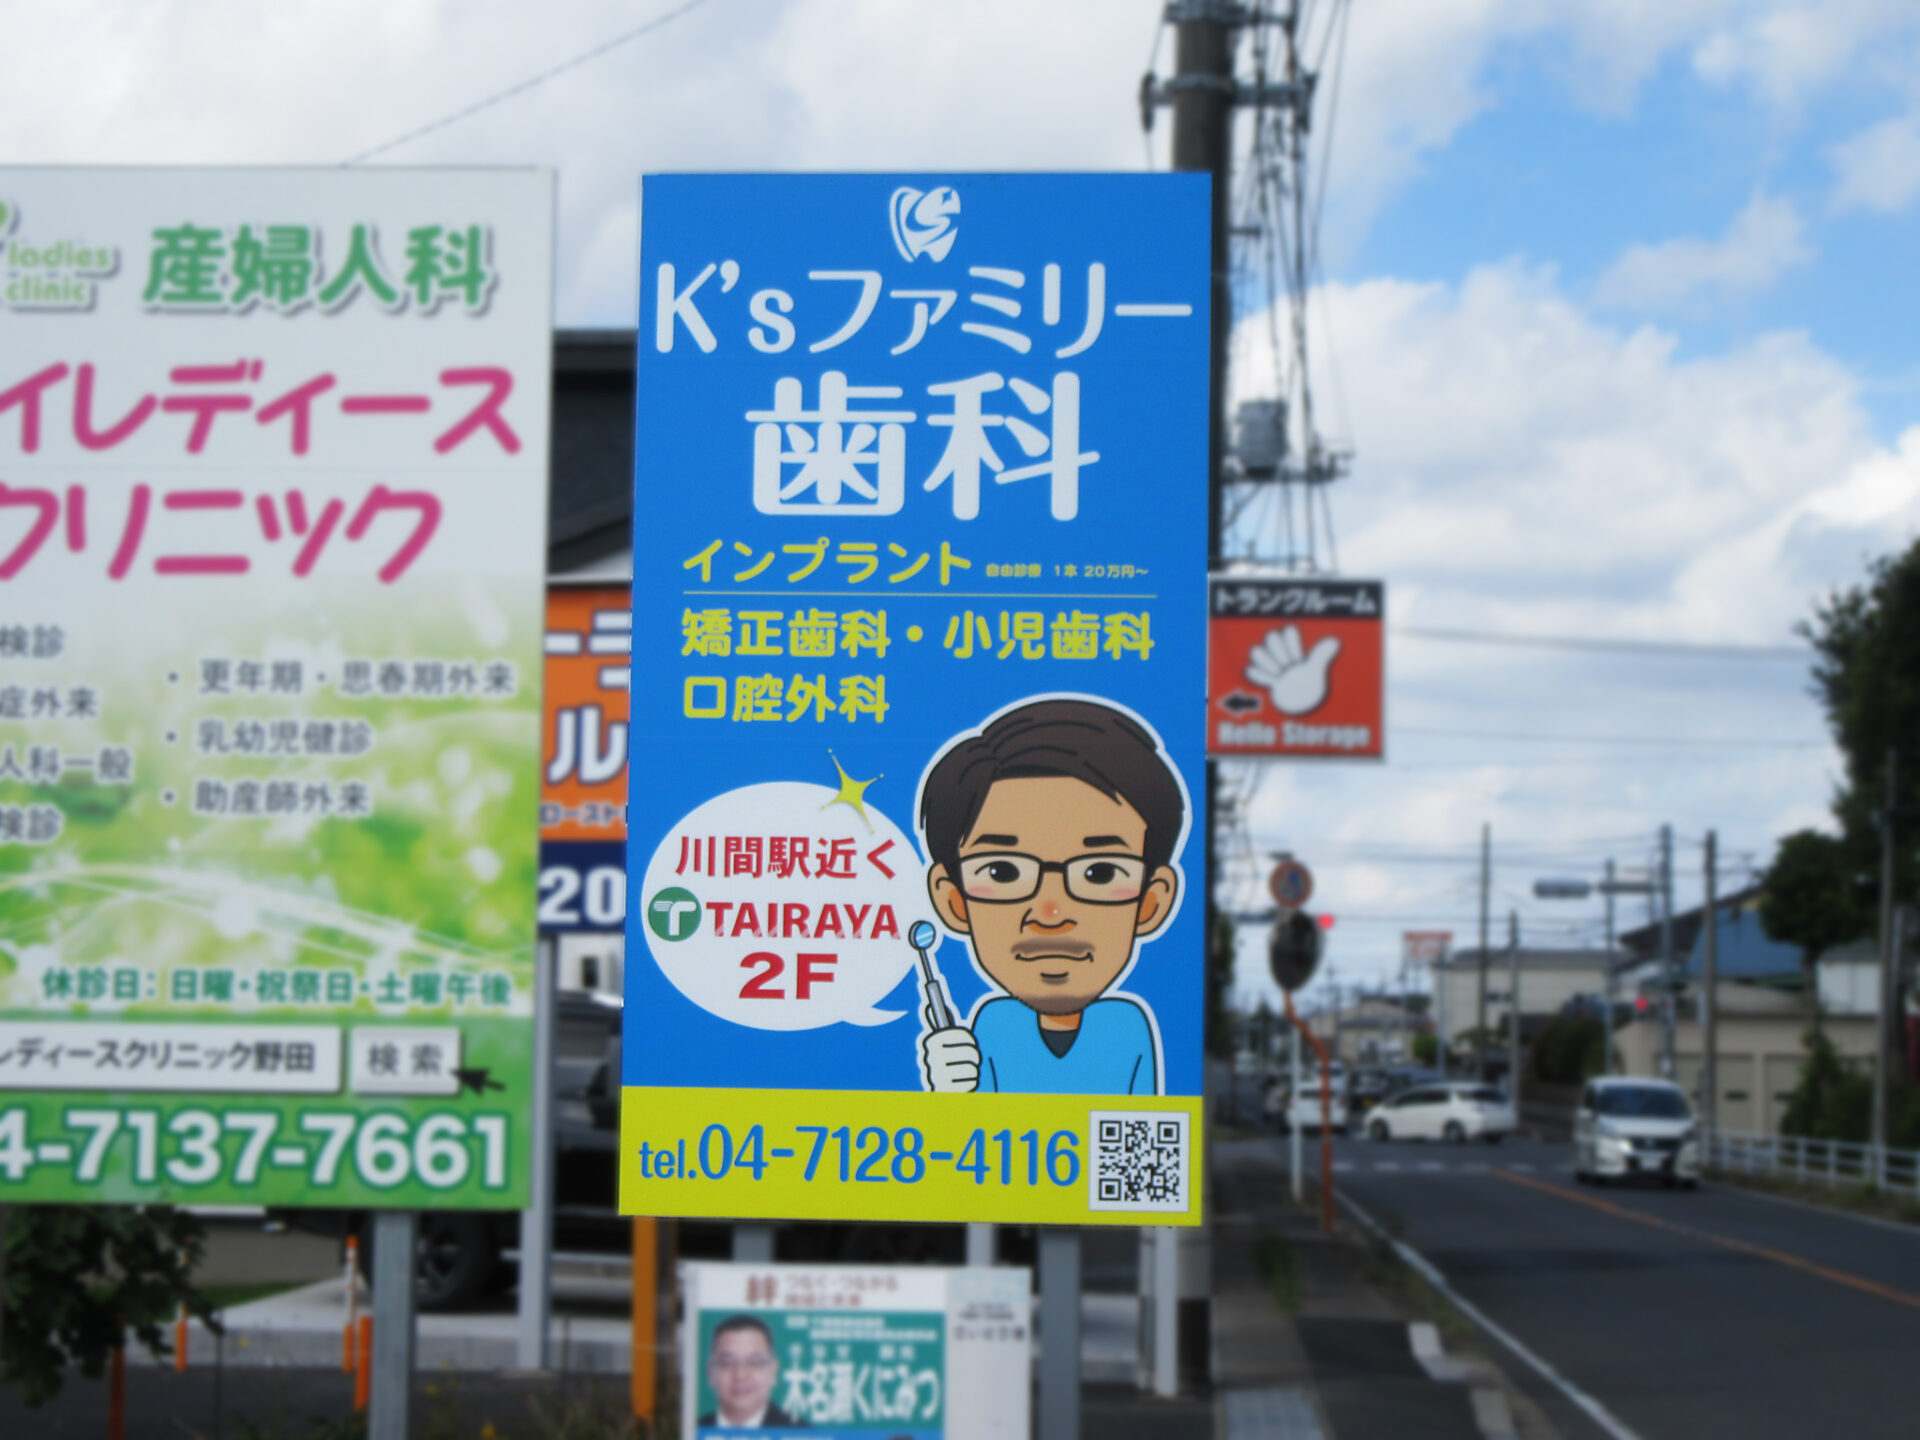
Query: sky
(1615, 314)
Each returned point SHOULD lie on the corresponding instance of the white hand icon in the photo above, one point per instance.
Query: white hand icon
(1296, 683)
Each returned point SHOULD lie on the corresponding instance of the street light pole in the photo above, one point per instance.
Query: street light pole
(1606, 1058)
(1480, 1033)
(1889, 963)
(1668, 979)
(1513, 1007)
(1710, 996)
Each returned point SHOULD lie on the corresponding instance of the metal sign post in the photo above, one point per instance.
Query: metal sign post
(393, 1233)
(1059, 1333)
(1296, 1157)
(1326, 1114)
(536, 1221)
(1166, 1311)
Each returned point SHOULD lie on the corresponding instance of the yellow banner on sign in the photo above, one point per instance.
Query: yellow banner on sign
(900, 1155)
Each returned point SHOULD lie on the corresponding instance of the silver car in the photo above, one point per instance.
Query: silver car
(1629, 1128)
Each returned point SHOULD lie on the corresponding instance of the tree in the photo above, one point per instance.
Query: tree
(1812, 899)
(1831, 1100)
(79, 1278)
(1867, 675)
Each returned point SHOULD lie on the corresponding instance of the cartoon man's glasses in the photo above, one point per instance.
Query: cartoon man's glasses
(1004, 878)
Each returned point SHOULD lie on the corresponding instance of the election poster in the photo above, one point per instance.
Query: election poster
(583, 783)
(919, 596)
(272, 528)
(842, 1352)
(1296, 667)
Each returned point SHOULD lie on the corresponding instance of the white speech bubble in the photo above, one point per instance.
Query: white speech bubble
(772, 907)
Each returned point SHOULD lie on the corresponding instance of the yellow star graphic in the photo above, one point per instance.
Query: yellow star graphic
(852, 792)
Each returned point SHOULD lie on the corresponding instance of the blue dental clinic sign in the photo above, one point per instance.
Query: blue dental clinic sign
(919, 605)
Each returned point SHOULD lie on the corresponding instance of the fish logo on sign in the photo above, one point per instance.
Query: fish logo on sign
(923, 222)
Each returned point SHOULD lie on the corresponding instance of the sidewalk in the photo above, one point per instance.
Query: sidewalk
(1313, 1340)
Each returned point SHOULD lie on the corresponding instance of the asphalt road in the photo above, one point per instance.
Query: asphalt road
(1685, 1315)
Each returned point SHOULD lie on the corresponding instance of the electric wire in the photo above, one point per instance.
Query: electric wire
(524, 86)
(1692, 650)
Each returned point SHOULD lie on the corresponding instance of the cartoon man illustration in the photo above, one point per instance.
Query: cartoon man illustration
(1052, 836)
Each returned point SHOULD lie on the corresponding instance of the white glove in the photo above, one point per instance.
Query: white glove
(1296, 683)
(951, 1060)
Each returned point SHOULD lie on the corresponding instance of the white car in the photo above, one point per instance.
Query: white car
(1304, 1109)
(1628, 1128)
(1456, 1112)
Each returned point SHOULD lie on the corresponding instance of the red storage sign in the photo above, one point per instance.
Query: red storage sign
(1296, 667)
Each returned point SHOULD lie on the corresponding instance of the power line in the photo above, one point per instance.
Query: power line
(1567, 762)
(1677, 648)
(525, 85)
(1541, 738)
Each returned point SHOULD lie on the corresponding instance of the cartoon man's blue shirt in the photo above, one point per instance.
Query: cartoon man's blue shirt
(1113, 1054)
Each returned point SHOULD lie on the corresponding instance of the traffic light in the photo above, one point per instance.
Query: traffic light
(1294, 949)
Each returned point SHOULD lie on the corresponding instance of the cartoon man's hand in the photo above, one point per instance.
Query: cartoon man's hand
(1297, 683)
(951, 1059)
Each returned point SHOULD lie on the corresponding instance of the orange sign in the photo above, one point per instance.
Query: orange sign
(583, 782)
(1296, 667)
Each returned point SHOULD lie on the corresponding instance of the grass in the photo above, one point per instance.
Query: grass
(1860, 1199)
(564, 1413)
(1387, 1272)
(225, 1297)
(1279, 1269)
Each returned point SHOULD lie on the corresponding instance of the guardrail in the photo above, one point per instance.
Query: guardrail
(1814, 1162)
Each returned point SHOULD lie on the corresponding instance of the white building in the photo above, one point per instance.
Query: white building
(1548, 980)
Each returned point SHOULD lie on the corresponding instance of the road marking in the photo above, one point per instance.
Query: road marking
(1284, 1413)
(1425, 1268)
(1424, 1340)
(1521, 1165)
(1492, 1414)
(1431, 1165)
(1386, 1165)
(1763, 1252)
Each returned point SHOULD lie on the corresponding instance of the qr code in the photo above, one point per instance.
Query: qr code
(1139, 1160)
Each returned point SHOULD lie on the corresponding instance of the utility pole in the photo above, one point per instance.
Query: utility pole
(1669, 980)
(1513, 1008)
(1710, 996)
(1606, 1059)
(1201, 94)
(1486, 874)
(1889, 960)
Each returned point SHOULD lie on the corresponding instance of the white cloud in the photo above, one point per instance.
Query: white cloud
(1524, 468)
(1552, 473)
(1879, 168)
(1785, 51)
(1764, 240)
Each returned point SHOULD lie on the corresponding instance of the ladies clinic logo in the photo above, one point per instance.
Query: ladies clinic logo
(60, 274)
